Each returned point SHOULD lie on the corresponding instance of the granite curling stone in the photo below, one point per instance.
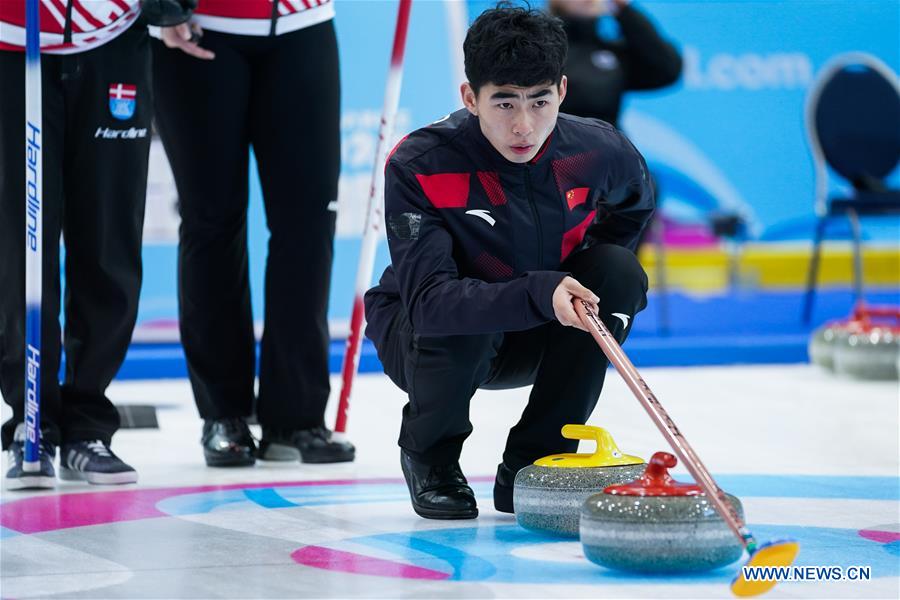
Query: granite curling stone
(657, 525)
(872, 352)
(822, 341)
(547, 496)
(865, 345)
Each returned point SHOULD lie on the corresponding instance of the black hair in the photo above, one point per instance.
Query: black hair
(511, 45)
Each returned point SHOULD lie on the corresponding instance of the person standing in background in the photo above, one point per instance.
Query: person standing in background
(601, 71)
(263, 75)
(97, 107)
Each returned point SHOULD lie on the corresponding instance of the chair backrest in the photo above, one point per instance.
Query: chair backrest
(853, 121)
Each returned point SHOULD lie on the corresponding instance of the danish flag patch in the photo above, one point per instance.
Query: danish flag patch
(122, 100)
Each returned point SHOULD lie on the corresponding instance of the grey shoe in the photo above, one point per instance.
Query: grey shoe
(94, 462)
(314, 445)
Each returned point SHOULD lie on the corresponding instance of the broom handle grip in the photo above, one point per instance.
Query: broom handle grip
(664, 422)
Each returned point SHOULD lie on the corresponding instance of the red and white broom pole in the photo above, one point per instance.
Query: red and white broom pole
(374, 215)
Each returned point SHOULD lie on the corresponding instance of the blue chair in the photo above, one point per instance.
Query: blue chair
(853, 124)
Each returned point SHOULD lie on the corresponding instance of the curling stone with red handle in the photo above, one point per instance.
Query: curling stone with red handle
(657, 525)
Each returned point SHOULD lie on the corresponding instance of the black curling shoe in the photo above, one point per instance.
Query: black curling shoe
(438, 491)
(503, 489)
(228, 443)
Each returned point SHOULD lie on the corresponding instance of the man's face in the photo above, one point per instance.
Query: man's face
(515, 120)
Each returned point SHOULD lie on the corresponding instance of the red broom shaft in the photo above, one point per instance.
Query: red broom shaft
(373, 215)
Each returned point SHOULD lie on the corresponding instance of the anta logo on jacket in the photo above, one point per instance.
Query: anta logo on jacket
(478, 243)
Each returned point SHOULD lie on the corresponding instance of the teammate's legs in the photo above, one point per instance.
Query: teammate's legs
(12, 242)
(295, 131)
(105, 182)
(201, 112)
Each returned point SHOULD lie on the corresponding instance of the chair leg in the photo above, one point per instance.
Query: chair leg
(657, 229)
(857, 256)
(813, 270)
(733, 249)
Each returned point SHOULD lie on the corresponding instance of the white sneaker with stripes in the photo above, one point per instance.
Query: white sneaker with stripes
(94, 462)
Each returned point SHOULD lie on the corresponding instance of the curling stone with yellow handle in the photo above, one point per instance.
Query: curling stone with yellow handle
(548, 495)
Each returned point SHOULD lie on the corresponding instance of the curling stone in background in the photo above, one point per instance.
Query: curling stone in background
(547, 496)
(821, 344)
(657, 525)
(871, 353)
(865, 345)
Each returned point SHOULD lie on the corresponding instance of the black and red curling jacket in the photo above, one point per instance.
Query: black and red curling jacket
(477, 242)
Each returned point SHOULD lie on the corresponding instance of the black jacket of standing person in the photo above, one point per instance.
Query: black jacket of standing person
(600, 71)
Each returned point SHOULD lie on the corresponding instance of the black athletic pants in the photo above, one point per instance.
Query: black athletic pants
(280, 95)
(566, 366)
(94, 186)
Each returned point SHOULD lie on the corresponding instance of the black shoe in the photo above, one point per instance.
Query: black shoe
(314, 445)
(438, 492)
(17, 478)
(228, 443)
(503, 489)
(94, 462)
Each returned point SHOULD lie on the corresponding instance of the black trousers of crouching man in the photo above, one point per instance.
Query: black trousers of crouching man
(440, 374)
